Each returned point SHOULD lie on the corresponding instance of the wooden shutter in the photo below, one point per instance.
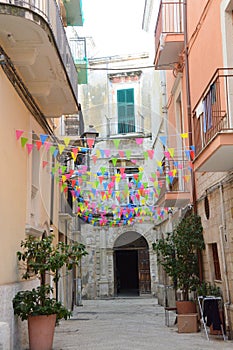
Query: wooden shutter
(125, 107)
(216, 262)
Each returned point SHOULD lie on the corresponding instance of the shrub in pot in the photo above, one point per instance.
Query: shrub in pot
(177, 252)
(42, 258)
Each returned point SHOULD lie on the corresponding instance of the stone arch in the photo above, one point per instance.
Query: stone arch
(131, 264)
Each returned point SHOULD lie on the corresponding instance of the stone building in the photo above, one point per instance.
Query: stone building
(118, 226)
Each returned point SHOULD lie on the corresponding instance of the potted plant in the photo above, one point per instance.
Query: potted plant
(177, 253)
(41, 258)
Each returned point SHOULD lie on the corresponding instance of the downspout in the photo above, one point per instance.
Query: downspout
(222, 229)
(165, 119)
(189, 115)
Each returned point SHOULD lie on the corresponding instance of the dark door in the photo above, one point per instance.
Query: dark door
(127, 272)
(144, 271)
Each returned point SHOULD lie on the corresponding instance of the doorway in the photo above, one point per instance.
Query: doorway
(131, 265)
(127, 272)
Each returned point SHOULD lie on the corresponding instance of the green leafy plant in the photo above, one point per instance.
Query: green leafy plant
(206, 288)
(41, 258)
(177, 253)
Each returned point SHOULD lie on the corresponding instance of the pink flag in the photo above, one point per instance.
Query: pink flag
(139, 141)
(18, 133)
(29, 147)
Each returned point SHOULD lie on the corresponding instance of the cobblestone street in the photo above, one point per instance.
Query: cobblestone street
(126, 324)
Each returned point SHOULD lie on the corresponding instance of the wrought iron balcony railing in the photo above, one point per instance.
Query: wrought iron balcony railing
(212, 114)
(49, 11)
(126, 126)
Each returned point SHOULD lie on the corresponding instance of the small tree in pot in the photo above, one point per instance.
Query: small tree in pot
(42, 258)
(177, 253)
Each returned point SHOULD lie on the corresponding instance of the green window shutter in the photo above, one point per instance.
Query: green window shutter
(125, 106)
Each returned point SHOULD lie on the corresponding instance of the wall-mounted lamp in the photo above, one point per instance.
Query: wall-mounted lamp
(89, 137)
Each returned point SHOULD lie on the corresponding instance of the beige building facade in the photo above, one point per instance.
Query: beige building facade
(38, 84)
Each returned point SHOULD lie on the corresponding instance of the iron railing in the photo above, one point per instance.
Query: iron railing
(212, 114)
(170, 20)
(129, 125)
(49, 11)
(174, 175)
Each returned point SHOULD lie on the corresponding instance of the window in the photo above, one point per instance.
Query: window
(125, 108)
(216, 261)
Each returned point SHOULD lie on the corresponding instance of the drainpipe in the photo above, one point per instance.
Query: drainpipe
(222, 229)
(165, 119)
(189, 114)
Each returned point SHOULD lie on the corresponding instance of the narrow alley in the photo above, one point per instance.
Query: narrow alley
(126, 324)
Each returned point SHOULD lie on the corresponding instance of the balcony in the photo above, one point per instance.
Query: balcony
(34, 40)
(131, 125)
(213, 125)
(169, 34)
(175, 193)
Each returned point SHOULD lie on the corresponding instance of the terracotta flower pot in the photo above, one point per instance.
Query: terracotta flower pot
(41, 332)
(186, 307)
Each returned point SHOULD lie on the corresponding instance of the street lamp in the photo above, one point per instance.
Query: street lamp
(88, 137)
(88, 140)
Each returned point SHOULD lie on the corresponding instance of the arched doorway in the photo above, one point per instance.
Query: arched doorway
(131, 265)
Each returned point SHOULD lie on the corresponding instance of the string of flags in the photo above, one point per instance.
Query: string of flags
(111, 199)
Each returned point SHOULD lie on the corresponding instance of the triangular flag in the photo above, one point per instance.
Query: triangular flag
(128, 154)
(121, 154)
(171, 151)
(44, 163)
(38, 144)
(19, 133)
(47, 145)
(114, 161)
(145, 155)
(192, 148)
(29, 147)
(116, 143)
(66, 141)
(102, 153)
(94, 158)
(43, 138)
(61, 148)
(55, 153)
(103, 170)
(163, 139)
(107, 153)
(23, 141)
(187, 152)
(151, 153)
(184, 135)
(139, 141)
(52, 149)
(90, 142)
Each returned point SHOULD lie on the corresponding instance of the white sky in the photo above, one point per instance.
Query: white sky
(116, 26)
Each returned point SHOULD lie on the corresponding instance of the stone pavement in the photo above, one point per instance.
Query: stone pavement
(128, 324)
